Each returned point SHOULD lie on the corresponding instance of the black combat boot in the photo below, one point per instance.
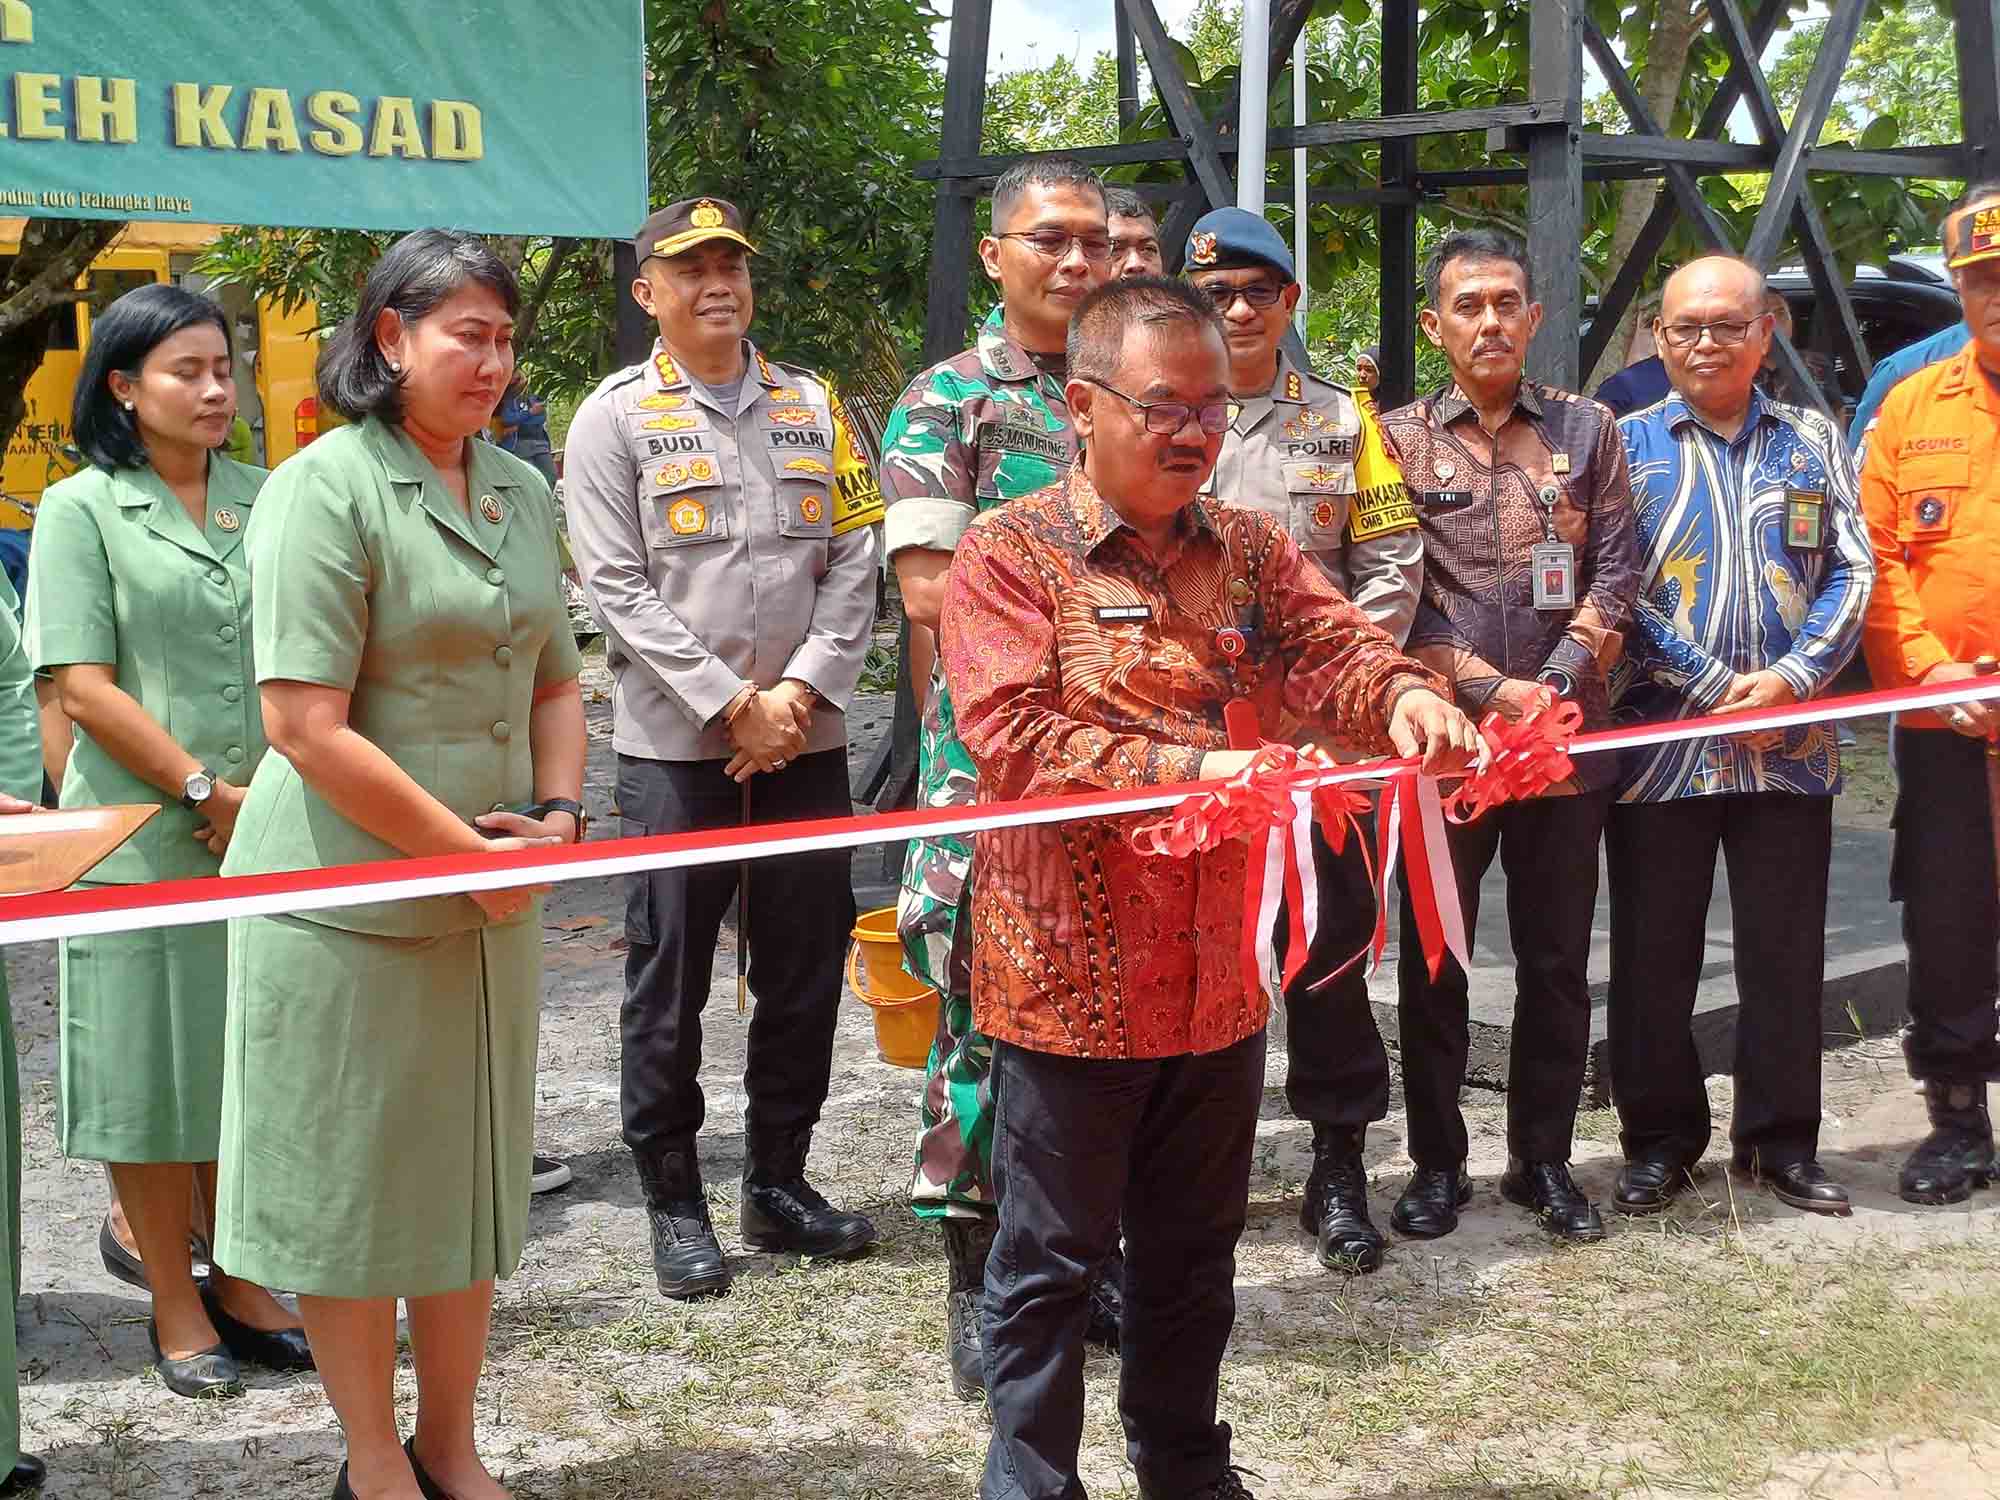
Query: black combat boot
(1957, 1156)
(1107, 1303)
(783, 1212)
(687, 1257)
(967, 1243)
(1335, 1212)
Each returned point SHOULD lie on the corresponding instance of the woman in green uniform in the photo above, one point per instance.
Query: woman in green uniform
(419, 688)
(139, 608)
(20, 784)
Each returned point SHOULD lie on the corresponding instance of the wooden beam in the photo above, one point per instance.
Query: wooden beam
(1407, 126)
(1788, 173)
(1555, 190)
(1127, 66)
(1977, 38)
(1686, 190)
(1651, 239)
(1396, 222)
(1815, 243)
(948, 295)
(1198, 136)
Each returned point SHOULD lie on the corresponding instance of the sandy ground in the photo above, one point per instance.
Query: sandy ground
(826, 1380)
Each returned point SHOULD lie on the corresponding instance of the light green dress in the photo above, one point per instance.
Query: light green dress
(20, 775)
(379, 1093)
(119, 575)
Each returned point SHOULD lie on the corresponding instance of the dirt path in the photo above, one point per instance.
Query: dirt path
(1737, 1348)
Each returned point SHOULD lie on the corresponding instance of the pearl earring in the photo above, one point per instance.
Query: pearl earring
(395, 367)
(128, 406)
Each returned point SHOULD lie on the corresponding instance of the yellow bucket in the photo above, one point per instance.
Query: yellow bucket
(905, 1008)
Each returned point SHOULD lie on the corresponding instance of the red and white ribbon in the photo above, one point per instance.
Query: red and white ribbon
(174, 903)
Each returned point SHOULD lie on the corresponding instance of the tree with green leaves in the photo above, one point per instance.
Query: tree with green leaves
(805, 113)
(38, 287)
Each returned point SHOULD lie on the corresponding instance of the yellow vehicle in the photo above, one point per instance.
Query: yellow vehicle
(275, 351)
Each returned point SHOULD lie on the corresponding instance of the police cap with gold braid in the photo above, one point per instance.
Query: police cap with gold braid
(1231, 239)
(681, 226)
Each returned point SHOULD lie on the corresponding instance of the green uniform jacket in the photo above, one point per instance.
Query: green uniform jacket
(441, 626)
(119, 575)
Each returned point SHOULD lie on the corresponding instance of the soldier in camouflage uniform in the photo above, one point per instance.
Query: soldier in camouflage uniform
(973, 432)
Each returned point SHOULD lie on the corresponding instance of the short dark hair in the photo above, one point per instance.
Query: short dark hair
(1975, 192)
(1476, 244)
(1098, 328)
(1123, 203)
(120, 339)
(1043, 172)
(416, 274)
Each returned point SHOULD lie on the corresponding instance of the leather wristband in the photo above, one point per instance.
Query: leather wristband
(563, 805)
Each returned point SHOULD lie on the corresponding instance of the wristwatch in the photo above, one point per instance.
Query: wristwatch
(198, 788)
(563, 805)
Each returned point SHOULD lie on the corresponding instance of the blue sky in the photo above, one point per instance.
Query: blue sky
(1033, 33)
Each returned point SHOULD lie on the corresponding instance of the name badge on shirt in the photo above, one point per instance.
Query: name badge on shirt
(1444, 499)
(1805, 519)
(1124, 614)
(1554, 568)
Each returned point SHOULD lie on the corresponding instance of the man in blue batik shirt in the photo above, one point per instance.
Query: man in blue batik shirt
(1755, 572)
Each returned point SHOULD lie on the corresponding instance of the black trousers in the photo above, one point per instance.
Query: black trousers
(801, 912)
(1339, 1070)
(1548, 847)
(1078, 1145)
(1942, 872)
(1661, 857)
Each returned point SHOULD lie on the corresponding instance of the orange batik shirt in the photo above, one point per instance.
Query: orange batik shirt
(1079, 662)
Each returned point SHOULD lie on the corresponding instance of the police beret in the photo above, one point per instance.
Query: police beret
(1227, 239)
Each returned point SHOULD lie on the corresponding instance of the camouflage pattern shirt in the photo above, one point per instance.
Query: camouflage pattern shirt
(970, 433)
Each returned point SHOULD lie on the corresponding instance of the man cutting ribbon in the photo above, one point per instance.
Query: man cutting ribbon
(1093, 637)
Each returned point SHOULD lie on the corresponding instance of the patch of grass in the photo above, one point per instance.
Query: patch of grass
(1668, 1360)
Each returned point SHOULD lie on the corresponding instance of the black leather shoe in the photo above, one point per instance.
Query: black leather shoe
(1547, 1189)
(784, 1213)
(1335, 1211)
(687, 1257)
(1957, 1156)
(1647, 1187)
(1429, 1206)
(428, 1487)
(342, 1490)
(1107, 1303)
(212, 1372)
(119, 1261)
(1803, 1184)
(27, 1474)
(128, 1268)
(274, 1349)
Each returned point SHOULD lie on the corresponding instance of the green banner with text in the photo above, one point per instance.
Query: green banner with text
(489, 115)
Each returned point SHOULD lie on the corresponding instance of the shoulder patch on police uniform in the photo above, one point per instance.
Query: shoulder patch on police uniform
(765, 373)
(1294, 388)
(670, 373)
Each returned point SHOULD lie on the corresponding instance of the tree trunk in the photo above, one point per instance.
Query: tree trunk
(38, 286)
(1676, 23)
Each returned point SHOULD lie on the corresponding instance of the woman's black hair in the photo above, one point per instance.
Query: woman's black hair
(120, 339)
(412, 278)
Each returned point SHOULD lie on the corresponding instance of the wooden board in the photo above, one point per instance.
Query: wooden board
(50, 851)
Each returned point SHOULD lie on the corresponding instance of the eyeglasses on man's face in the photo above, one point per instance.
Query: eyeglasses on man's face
(1165, 418)
(1053, 244)
(1259, 294)
(1726, 332)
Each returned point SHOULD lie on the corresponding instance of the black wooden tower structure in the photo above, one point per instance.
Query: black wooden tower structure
(1561, 155)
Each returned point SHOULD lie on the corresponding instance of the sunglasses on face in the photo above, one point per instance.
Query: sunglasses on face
(1259, 294)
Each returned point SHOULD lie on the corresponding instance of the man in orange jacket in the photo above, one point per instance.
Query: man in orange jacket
(1930, 488)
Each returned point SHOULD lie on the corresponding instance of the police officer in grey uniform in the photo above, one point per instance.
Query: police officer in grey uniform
(721, 523)
(1311, 454)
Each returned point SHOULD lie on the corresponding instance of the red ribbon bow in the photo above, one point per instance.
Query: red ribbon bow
(1530, 755)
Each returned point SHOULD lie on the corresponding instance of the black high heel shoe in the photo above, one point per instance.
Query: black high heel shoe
(431, 1489)
(27, 1474)
(212, 1372)
(274, 1349)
